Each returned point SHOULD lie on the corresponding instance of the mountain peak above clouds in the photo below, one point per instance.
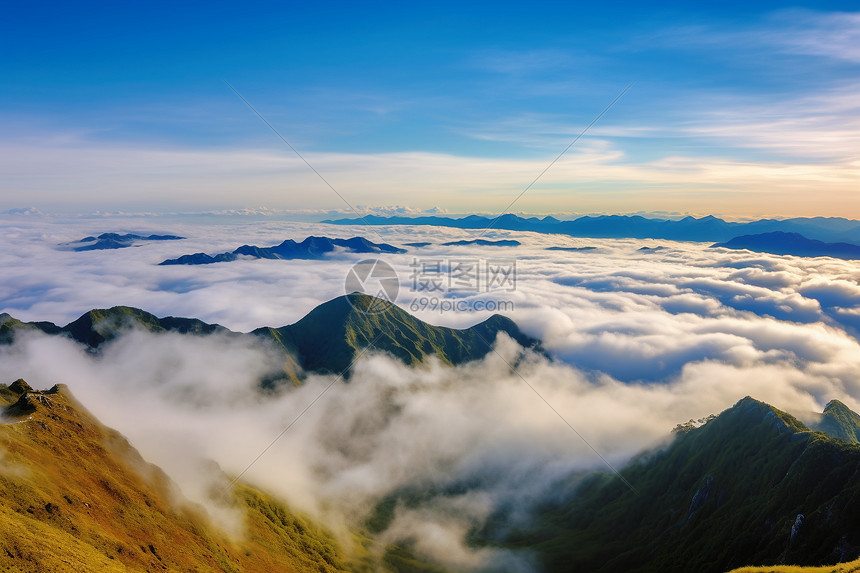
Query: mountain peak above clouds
(116, 241)
(718, 496)
(327, 339)
(782, 243)
(310, 248)
(839, 421)
(330, 336)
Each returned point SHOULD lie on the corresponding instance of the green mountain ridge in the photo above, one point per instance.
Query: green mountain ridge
(326, 340)
(97, 326)
(753, 485)
(330, 337)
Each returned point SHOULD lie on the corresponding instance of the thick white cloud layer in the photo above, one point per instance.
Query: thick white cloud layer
(640, 341)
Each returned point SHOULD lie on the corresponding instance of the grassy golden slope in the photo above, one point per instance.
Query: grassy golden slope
(852, 567)
(77, 497)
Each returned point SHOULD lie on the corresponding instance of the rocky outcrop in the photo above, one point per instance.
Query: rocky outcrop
(702, 495)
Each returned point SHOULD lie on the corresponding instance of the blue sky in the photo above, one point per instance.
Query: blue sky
(739, 109)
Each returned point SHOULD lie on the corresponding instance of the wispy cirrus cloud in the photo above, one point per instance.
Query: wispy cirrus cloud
(793, 32)
(834, 35)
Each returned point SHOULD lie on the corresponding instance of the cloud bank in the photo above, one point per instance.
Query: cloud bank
(476, 437)
(640, 342)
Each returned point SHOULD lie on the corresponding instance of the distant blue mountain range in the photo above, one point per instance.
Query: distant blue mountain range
(780, 243)
(572, 249)
(705, 229)
(310, 248)
(483, 243)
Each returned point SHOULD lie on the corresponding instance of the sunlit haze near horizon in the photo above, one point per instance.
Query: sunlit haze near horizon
(733, 109)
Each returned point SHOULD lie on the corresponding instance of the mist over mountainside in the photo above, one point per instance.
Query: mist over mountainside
(78, 497)
(327, 340)
(753, 485)
(689, 228)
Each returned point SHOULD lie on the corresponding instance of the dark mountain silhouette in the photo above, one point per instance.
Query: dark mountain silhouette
(572, 249)
(116, 241)
(310, 248)
(484, 243)
(780, 243)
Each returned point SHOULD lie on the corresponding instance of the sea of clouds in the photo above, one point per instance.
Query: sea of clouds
(638, 342)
